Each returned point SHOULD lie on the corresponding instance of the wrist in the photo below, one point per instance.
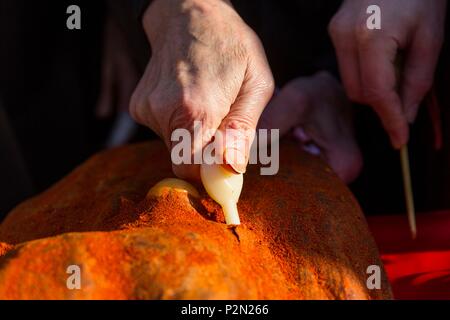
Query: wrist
(161, 15)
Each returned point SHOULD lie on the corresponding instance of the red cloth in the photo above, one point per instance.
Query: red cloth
(420, 268)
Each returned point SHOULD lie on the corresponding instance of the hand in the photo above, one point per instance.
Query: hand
(206, 65)
(366, 57)
(319, 112)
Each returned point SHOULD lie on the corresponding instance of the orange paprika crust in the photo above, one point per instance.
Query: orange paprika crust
(303, 235)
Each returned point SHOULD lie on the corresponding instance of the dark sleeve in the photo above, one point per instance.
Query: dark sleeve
(128, 15)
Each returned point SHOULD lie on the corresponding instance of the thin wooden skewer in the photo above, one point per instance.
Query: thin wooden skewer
(407, 185)
(404, 159)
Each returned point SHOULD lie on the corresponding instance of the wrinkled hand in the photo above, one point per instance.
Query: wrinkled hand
(317, 108)
(206, 65)
(366, 57)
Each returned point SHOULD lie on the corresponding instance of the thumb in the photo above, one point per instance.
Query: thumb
(238, 127)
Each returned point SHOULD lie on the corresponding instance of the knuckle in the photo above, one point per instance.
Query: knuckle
(263, 84)
(188, 104)
(337, 28)
(270, 85)
(190, 108)
(373, 95)
(136, 106)
(155, 100)
(242, 122)
(186, 115)
(362, 34)
(423, 84)
(266, 86)
(133, 105)
(189, 116)
(142, 111)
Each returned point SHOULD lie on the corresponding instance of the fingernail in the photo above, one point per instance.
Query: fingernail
(235, 158)
(237, 147)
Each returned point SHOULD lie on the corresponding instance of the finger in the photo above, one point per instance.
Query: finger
(348, 61)
(140, 108)
(345, 162)
(196, 120)
(239, 125)
(284, 110)
(418, 72)
(379, 87)
(347, 55)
